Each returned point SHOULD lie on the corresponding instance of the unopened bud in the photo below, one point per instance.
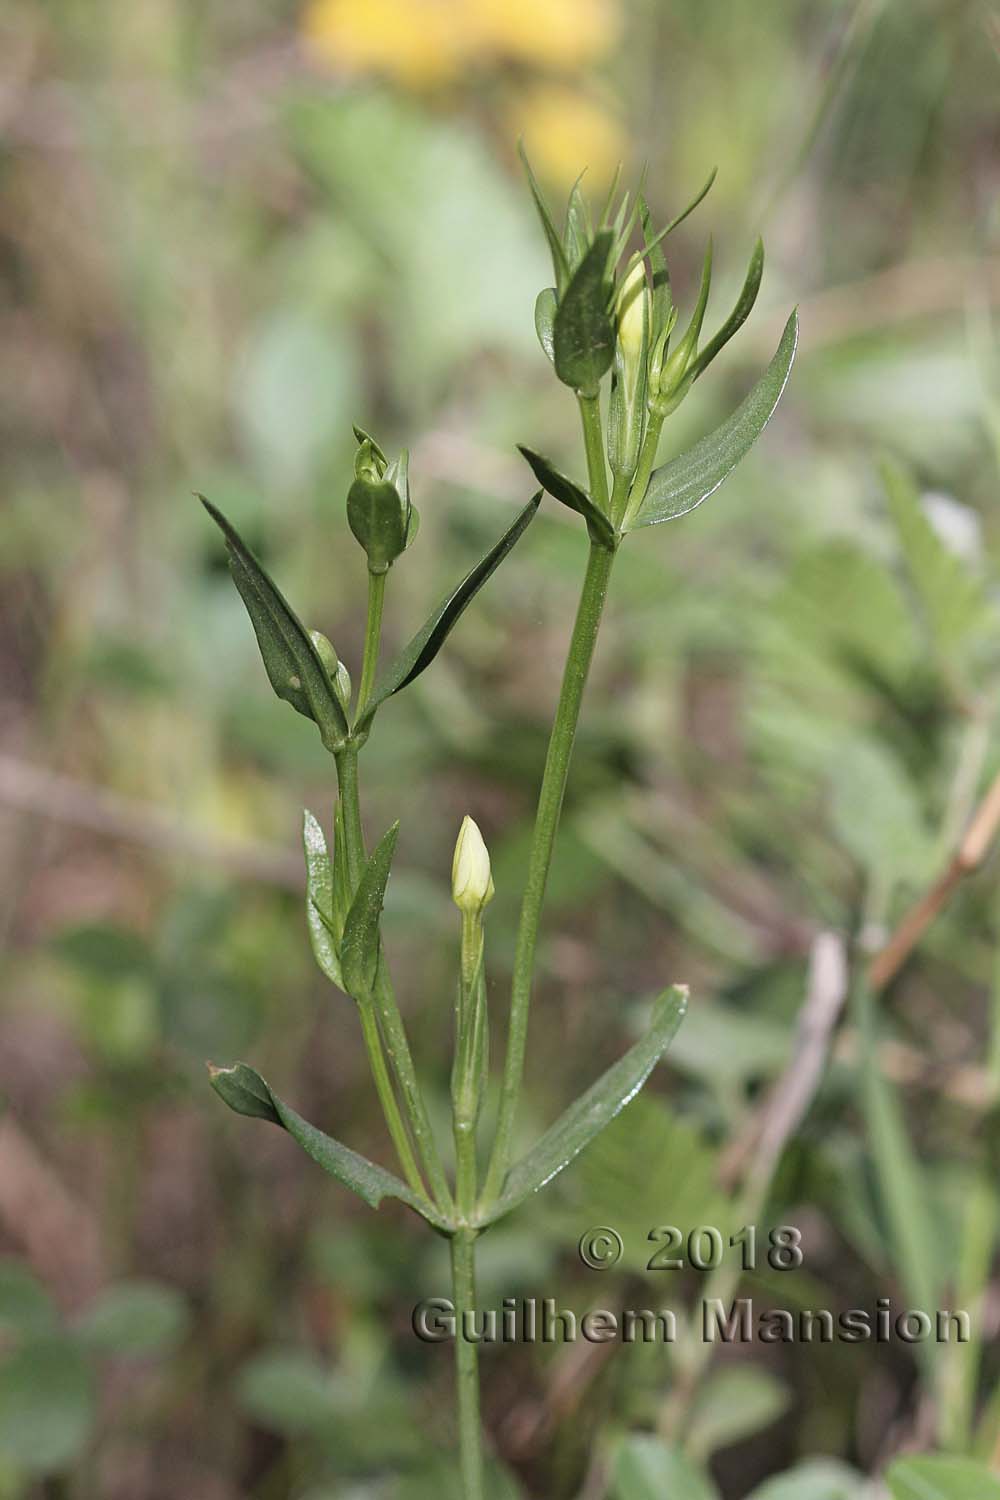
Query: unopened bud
(338, 673)
(471, 880)
(633, 309)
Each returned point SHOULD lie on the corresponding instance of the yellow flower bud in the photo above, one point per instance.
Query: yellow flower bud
(471, 881)
(633, 311)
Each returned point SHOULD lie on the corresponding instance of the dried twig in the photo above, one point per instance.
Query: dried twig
(969, 856)
(757, 1148)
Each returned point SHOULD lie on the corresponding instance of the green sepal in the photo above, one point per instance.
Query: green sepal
(652, 242)
(361, 944)
(739, 314)
(563, 489)
(364, 437)
(594, 1109)
(579, 230)
(320, 914)
(245, 1091)
(627, 407)
(398, 473)
(425, 645)
(377, 517)
(559, 263)
(293, 665)
(470, 1069)
(583, 334)
(687, 480)
(661, 297)
(545, 317)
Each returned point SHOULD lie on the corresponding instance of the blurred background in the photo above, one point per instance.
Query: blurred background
(226, 233)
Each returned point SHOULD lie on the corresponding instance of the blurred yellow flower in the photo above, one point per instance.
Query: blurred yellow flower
(426, 42)
(419, 43)
(555, 33)
(565, 130)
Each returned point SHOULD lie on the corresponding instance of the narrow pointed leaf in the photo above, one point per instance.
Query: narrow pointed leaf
(319, 900)
(559, 263)
(584, 331)
(359, 949)
(245, 1091)
(545, 317)
(693, 330)
(739, 314)
(604, 220)
(564, 490)
(292, 662)
(588, 1116)
(687, 480)
(426, 644)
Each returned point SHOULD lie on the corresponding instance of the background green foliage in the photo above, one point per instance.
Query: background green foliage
(219, 250)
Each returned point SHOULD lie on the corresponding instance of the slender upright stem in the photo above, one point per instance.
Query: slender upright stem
(393, 1031)
(387, 1098)
(593, 442)
(347, 779)
(373, 636)
(550, 799)
(463, 1284)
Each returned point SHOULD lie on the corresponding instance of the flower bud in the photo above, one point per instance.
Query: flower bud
(627, 414)
(338, 673)
(633, 311)
(471, 880)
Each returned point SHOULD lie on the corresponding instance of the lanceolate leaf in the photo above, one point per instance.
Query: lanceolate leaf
(686, 481)
(428, 641)
(545, 316)
(559, 263)
(291, 660)
(359, 950)
(584, 332)
(243, 1089)
(563, 489)
(593, 1110)
(319, 900)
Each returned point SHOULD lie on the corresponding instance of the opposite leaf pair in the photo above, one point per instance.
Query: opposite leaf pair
(245, 1091)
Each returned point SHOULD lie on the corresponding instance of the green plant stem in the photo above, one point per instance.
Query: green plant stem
(593, 442)
(644, 468)
(373, 637)
(463, 1293)
(393, 1033)
(550, 800)
(387, 1098)
(464, 1109)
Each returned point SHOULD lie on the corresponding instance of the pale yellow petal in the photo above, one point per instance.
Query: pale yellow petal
(559, 33)
(419, 44)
